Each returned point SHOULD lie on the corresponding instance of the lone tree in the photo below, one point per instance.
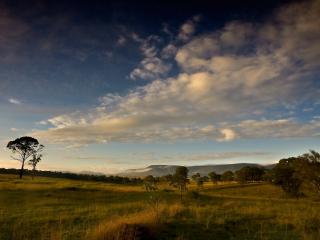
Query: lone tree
(214, 177)
(24, 148)
(199, 180)
(180, 179)
(195, 177)
(227, 176)
(249, 174)
(36, 158)
(150, 183)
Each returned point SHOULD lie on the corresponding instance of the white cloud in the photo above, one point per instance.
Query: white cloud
(14, 101)
(227, 135)
(169, 51)
(188, 28)
(43, 122)
(219, 88)
(280, 128)
(151, 66)
(222, 155)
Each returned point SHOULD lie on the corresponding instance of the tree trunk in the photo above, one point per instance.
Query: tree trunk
(33, 173)
(21, 170)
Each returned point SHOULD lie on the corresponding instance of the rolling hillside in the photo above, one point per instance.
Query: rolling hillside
(161, 170)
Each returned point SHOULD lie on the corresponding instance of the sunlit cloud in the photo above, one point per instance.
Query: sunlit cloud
(188, 28)
(152, 66)
(228, 80)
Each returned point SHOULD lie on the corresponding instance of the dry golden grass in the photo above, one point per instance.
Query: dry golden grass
(60, 209)
(117, 226)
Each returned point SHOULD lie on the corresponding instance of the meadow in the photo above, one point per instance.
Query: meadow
(54, 209)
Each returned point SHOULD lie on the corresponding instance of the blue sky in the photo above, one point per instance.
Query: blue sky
(117, 85)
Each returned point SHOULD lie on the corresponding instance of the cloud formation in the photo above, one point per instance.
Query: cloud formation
(151, 66)
(188, 28)
(14, 101)
(222, 155)
(230, 82)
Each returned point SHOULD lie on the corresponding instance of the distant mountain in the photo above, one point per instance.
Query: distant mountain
(161, 170)
(92, 173)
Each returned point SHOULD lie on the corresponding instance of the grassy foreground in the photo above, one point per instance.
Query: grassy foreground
(48, 208)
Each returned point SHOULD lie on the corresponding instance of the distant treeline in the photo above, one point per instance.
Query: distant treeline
(75, 176)
(293, 175)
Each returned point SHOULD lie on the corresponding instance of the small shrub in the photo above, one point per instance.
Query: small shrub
(194, 194)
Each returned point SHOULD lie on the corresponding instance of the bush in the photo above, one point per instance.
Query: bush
(194, 194)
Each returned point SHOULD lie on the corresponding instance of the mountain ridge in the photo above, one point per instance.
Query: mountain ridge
(162, 169)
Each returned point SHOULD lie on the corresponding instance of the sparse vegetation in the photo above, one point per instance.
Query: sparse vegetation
(180, 180)
(57, 208)
(49, 208)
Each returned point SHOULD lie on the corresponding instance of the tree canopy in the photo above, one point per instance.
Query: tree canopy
(24, 148)
(180, 179)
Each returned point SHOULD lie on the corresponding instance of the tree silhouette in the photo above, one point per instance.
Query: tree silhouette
(287, 175)
(24, 148)
(36, 158)
(150, 183)
(199, 180)
(195, 177)
(227, 176)
(214, 177)
(310, 168)
(180, 179)
(249, 174)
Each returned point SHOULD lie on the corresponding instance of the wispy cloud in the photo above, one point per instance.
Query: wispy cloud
(14, 101)
(188, 28)
(223, 155)
(121, 41)
(152, 66)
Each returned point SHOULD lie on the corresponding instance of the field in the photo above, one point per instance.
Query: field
(48, 208)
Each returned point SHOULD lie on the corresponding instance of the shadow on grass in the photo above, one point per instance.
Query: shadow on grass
(236, 228)
(241, 228)
(234, 186)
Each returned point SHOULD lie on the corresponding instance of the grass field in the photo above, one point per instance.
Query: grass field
(48, 208)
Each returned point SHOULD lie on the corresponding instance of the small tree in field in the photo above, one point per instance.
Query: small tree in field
(180, 179)
(227, 176)
(36, 158)
(249, 174)
(310, 169)
(150, 183)
(198, 180)
(214, 177)
(195, 177)
(24, 148)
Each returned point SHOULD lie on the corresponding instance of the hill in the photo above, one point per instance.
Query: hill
(161, 170)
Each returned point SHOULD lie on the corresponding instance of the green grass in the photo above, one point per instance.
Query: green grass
(48, 208)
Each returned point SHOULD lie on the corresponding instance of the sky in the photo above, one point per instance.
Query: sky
(112, 85)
